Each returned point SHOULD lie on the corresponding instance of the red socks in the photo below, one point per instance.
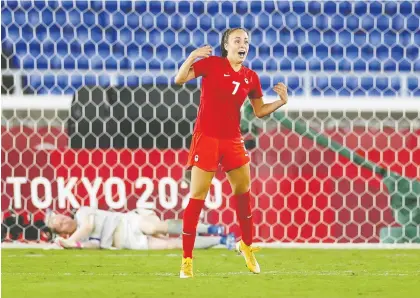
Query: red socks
(244, 215)
(192, 214)
(190, 221)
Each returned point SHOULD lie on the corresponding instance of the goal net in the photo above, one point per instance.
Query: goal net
(91, 116)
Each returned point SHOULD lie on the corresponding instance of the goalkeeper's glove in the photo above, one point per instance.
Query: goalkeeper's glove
(66, 243)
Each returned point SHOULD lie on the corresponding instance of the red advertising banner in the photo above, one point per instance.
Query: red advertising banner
(301, 192)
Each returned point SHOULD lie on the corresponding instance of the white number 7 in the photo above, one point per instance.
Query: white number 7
(236, 87)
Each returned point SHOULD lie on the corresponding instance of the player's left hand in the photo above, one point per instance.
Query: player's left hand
(281, 90)
(65, 243)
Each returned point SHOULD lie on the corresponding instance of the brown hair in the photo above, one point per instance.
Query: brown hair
(225, 38)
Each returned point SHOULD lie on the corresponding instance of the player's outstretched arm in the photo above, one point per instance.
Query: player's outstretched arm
(186, 71)
(262, 109)
(68, 244)
(85, 230)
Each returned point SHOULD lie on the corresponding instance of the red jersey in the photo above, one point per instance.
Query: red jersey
(223, 92)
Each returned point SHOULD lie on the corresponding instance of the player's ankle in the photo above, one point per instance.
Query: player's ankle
(247, 243)
(187, 255)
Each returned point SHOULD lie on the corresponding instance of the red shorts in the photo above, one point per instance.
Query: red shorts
(207, 153)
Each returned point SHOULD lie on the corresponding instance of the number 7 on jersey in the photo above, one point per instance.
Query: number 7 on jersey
(236, 87)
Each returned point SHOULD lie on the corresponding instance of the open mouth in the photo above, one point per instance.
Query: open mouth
(242, 54)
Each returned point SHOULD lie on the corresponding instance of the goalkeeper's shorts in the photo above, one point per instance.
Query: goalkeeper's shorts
(131, 234)
(208, 153)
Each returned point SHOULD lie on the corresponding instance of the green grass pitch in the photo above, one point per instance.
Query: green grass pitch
(218, 273)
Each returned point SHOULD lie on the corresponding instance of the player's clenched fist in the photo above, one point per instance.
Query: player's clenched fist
(281, 90)
(202, 52)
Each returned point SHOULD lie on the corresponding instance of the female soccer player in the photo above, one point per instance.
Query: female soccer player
(217, 137)
(140, 229)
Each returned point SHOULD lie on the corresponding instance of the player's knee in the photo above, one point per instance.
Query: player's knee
(240, 191)
(240, 188)
(149, 229)
(200, 192)
(199, 195)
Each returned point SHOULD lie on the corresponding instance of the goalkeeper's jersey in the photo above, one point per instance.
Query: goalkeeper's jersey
(105, 223)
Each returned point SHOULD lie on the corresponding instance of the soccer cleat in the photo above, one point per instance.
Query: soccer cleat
(248, 253)
(216, 230)
(230, 241)
(186, 268)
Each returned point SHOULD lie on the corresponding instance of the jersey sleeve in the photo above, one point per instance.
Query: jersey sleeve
(204, 66)
(84, 214)
(255, 91)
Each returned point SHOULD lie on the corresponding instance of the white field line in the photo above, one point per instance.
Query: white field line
(217, 274)
(47, 246)
(107, 255)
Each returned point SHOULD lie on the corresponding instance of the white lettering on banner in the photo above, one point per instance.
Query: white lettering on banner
(122, 198)
(142, 201)
(92, 190)
(173, 193)
(65, 191)
(216, 202)
(185, 201)
(17, 190)
(46, 202)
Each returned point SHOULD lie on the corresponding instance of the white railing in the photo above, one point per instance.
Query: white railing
(298, 103)
(401, 102)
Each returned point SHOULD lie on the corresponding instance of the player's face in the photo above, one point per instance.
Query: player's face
(238, 45)
(63, 225)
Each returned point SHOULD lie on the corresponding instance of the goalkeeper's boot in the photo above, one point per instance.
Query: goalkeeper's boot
(230, 241)
(216, 230)
(186, 268)
(248, 253)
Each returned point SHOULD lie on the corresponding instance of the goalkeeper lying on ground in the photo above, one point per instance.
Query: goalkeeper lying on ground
(140, 229)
